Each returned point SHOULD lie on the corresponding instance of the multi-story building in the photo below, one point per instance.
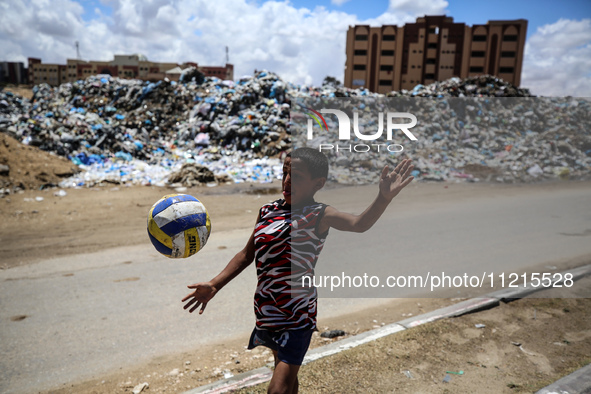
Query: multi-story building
(434, 48)
(123, 66)
(13, 73)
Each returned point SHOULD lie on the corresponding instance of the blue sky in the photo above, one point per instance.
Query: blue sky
(537, 12)
(302, 40)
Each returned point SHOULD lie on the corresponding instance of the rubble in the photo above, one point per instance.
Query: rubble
(157, 133)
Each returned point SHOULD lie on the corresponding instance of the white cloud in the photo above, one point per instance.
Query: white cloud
(418, 7)
(339, 2)
(557, 59)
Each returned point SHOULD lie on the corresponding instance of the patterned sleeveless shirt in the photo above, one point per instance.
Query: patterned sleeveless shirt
(286, 249)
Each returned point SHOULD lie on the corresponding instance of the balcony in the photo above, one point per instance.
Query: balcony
(507, 62)
(359, 59)
(361, 45)
(508, 46)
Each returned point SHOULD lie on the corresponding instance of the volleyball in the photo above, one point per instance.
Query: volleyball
(178, 225)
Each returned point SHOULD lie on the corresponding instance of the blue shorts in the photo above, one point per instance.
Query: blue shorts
(291, 345)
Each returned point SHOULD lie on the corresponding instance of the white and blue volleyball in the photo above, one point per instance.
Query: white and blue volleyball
(178, 225)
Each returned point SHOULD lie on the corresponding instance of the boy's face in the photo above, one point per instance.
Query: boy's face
(298, 185)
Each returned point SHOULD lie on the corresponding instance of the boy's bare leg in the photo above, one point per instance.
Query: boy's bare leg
(285, 378)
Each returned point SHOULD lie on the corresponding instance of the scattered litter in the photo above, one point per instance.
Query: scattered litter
(408, 374)
(479, 325)
(140, 387)
(447, 379)
(526, 352)
(333, 334)
(60, 193)
(455, 373)
(228, 374)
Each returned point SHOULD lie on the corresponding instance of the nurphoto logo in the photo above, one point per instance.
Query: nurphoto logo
(345, 130)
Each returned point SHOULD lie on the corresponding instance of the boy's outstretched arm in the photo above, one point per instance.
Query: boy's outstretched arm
(204, 291)
(390, 185)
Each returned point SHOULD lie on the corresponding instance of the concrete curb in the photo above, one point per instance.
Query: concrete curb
(510, 294)
(578, 382)
(491, 300)
(459, 309)
(246, 379)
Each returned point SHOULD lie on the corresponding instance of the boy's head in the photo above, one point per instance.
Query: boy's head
(304, 173)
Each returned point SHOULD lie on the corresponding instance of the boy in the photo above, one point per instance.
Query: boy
(285, 244)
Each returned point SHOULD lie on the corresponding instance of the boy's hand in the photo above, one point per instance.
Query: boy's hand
(391, 184)
(201, 296)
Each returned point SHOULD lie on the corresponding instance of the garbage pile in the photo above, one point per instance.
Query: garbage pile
(117, 129)
(505, 140)
(477, 86)
(131, 131)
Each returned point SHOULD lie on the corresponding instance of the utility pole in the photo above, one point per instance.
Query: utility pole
(77, 50)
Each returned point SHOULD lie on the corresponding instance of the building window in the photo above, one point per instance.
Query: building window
(477, 54)
(387, 53)
(359, 67)
(479, 38)
(386, 67)
(360, 52)
(430, 61)
(510, 37)
(389, 37)
(385, 82)
(507, 53)
(429, 76)
(414, 51)
(413, 66)
(361, 37)
(432, 45)
(475, 69)
(506, 70)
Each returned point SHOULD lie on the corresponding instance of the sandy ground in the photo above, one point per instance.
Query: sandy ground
(524, 346)
(87, 220)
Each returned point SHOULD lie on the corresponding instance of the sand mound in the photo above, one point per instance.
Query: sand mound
(28, 167)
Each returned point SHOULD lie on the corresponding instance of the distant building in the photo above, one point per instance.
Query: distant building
(434, 48)
(13, 73)
(123, 66)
